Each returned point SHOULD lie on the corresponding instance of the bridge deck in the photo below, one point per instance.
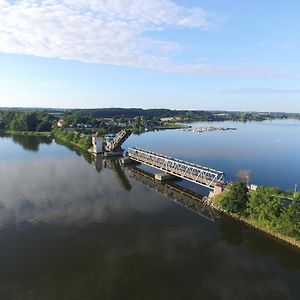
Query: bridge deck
(195, 173)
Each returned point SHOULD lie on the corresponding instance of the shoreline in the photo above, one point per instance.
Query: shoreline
(255, 226)
(70, 143)
(27, 133)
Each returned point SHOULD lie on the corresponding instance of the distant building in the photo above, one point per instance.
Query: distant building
(167, 119)
(253, 187)
(61, 123)
(221, 115)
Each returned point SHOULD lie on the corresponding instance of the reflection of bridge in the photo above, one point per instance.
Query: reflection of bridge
(207, 177)
(114, 165)
(174, 192)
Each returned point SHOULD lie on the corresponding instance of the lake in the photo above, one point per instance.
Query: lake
(73, 227)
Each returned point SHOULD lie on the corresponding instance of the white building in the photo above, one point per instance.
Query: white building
(97, 141)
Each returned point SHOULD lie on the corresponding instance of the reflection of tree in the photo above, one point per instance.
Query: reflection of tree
(231, 231)
(31, 143)
(86, 155)
(258, 243)
(263, 244)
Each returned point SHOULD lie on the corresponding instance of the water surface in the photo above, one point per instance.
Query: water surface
(76, 228)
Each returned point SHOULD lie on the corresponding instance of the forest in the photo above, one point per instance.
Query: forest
(25, 121)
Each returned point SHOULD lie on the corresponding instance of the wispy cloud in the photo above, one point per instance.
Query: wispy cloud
(109, 32)
(257, 90)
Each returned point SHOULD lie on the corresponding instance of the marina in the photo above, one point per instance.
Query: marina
(207, 128)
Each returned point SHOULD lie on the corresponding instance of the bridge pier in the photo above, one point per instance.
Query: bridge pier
(218, 189)
(164, 176)
(128, 161)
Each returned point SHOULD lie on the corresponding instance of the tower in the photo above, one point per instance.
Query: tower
(97, 141)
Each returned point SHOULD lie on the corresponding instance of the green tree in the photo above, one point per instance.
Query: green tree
(289, 221)
(235, 198)
(24, 122)
(44, 125)
(265, 206)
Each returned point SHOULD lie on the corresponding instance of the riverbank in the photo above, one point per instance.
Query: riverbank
(263, 209)
(26, 133)
(165, 127)
(157, 128)
(83, 143)
(255, 226)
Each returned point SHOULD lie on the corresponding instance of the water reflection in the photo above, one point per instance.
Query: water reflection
(187, 198)
(69, 230)
(67, 190)
(31, 143)
(97, 162)
(115, 165)
(86, 155)
(232, 231)
(269, 150)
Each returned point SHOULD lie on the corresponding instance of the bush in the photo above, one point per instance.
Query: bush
(235, 198)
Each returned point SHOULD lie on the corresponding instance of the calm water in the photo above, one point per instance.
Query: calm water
(73, 228)
(268, 152)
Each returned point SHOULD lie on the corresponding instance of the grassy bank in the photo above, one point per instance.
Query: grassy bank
(73, 138)
(257, 226)
(26, 133)
(269, 210)
(169, 126)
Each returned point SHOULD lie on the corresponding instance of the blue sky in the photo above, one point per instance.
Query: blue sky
(231, 55)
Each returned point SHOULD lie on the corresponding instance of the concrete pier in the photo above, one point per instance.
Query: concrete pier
(128, 161)
(113, 153)
(218, 189)
(164, 176)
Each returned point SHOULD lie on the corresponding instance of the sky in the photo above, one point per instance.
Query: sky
(178, 54)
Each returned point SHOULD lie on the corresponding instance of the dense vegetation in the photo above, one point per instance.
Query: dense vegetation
(184, 115)
(74, 137)
(25, 121)
(268, 208)
(39, 120)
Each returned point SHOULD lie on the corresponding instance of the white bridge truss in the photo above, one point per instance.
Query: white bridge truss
(195, 173)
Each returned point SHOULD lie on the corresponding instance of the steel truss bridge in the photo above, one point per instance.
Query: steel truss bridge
(195, 173)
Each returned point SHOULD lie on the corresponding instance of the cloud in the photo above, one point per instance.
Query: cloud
(115, 32)
(257, 90)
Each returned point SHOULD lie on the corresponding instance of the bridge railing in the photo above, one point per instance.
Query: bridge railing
(198, 174)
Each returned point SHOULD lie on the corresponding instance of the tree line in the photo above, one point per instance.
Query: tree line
(26, 121)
